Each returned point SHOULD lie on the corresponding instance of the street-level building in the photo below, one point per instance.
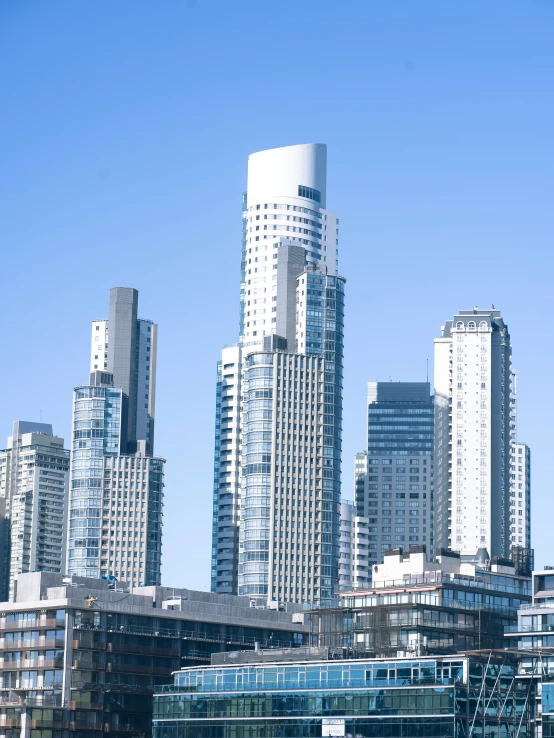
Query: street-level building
(442, 697)
(34, 471)
(82, 657)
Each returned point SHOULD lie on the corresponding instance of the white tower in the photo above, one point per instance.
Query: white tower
(474, 433)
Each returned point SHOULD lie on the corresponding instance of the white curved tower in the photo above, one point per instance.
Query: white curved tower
(291, 310)
(285, 204)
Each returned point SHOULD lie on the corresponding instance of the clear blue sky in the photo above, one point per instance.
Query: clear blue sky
(125, 131)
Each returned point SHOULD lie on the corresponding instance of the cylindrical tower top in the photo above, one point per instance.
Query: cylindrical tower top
(282, 172)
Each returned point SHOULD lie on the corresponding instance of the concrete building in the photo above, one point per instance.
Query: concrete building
(443, 697)
(474, 433)
(34, 471)
(116, 498)
(394, 478)
(81, 657)
(355, 535)
(132, 363)
(276, 525)
(520, 496)
(418, 607)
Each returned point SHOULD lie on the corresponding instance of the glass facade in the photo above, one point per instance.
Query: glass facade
(97, 431)
(444, 697)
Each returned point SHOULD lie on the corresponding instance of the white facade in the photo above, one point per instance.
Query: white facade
(34, 473)
(520, 496)
(354, 568)
(286, 228)
(474, 433)
(99, 346)
(276, 214)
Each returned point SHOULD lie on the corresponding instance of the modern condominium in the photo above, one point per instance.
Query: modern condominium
(34, 472)
(474, 433)
(394, 478)
(279, 392)
(116, 483)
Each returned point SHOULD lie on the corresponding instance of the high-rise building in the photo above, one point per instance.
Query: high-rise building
(279, 393)
(520, 496)
(474, 433)
(354, 569)
(116, 483)
(34, 472)
(394, 478)
(132, 363)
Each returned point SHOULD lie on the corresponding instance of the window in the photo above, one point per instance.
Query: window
(309, 193)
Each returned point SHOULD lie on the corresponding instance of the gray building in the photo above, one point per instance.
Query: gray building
(116, 497)
(279, 391)
(394, 478)
(34, 471)
(475, 433)
(81, 657)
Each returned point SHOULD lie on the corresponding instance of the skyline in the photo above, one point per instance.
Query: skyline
(422, 194)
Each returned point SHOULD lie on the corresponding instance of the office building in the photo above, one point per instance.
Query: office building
(34, 472)
(520, 496)
(355, 535)
(419, 607)
(473, 694)
(279, 392)
(116, 497)
(474, 433)
(82, 656)
(394, 478)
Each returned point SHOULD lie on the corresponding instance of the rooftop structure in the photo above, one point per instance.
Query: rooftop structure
(419, 607)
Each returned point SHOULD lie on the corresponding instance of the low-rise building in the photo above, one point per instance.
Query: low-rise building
(443, 697)
(81, 656)
(426, 607)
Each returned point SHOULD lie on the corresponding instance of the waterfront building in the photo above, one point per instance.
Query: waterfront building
(394, 477)
(354, 570)
(444, 696)
(116, 497)
(82, 656)
(279, 392)
(474, 433)
(417, 606)
(34, 471)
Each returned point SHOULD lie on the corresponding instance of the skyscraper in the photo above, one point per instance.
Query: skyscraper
(474, 433)
(279, 396)
(34, 472)
(116, 482)
(394, 478)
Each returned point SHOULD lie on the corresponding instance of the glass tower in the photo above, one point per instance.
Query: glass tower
(394, 478)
